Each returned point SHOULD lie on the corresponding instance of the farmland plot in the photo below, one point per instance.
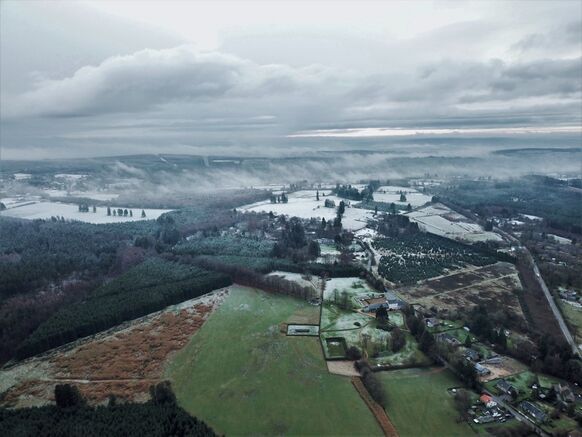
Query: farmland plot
(419, 403)
(491, 285)
(242, 376)
(45, 210)
(391, 194)
(440, 220)
(303, 204)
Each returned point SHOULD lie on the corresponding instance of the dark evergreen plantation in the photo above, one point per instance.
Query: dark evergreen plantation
(149, 287)
(71, 417)
(33, 253)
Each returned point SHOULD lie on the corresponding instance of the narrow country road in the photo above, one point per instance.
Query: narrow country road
(552, 303)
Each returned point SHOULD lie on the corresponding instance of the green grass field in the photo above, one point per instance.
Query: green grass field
(574, 317)
(419, 403)
(243, 377)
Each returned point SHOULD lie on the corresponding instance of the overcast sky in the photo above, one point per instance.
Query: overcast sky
(112, 77)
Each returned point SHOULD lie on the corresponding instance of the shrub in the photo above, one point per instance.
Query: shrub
(353, 353)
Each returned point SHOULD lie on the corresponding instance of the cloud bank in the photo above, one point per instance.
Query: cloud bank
(500, 74)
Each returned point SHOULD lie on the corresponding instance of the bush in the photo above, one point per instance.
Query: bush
(353, 353)
(398, 339)
(374, 387)
(68, 396)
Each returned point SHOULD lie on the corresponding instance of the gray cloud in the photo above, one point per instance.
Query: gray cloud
(261, 86)
(145, 79)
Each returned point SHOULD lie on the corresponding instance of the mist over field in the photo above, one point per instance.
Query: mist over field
(298, 218)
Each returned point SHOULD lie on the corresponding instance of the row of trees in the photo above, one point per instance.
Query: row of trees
(251, 278)
(84, 207)
(282, 198)
(120, 212)
(372, 382)
(352, 193)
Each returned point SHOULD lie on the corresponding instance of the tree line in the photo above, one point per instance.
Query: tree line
(71, 416)
(251, 278)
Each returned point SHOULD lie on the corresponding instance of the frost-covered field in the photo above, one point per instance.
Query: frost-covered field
(390, 194)
(440, 220)
(22, 176)
(303, 204)
(45, 210)
(299, 278)
(70, 177)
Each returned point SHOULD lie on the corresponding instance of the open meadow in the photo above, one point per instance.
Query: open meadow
(243, 376)
(35, 209)
(419, 403)
(304, 204)
(391, 194)
(573, 315)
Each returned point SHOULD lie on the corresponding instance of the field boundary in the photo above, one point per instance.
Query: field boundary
(379, 413)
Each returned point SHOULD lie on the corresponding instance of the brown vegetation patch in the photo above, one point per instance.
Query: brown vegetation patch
(97, 392)
(491, 285)
(507, 367)
(136, 353)
(123, 363)
(27, 394)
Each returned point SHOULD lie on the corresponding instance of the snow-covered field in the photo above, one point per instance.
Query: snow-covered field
(70, 177)
(440, 220)
(299, 278)
(27, 209)
(22, 176)
(303, 204)
(531, 217)
(389, 194)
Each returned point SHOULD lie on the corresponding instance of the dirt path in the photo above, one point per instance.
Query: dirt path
(342, 367)
(378, 412)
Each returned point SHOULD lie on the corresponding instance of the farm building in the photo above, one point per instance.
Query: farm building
(507, 388)
(496, 359)
(481, 370)
(374, 304)
(564, 393)
(471, 354)
(570, 295)
(394, 302)
(533, 410)
(388, 301)
(445, 337)
(487, 401)
(431, 322)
